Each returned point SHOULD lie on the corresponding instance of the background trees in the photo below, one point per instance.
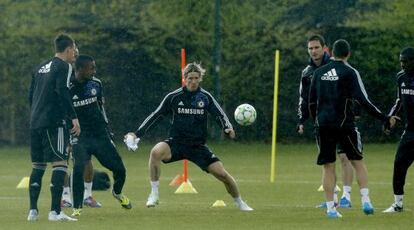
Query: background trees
(137, 47)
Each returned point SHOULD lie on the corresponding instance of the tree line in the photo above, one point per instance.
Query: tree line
(137, 43)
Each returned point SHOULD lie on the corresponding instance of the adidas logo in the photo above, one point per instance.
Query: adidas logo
(75, 97)
(45, 68)
(403, 84)
(181, 103)
(330, 76)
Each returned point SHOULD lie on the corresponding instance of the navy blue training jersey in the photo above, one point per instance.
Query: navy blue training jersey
(188, 111)
(405, 99)
(88, 101)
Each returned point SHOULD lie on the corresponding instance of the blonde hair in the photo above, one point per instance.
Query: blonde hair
(194, 67)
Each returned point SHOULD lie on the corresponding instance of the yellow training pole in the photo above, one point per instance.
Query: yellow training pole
(274, 130)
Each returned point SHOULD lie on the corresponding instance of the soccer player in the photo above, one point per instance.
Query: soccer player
(50, 105)
(318, 58)
(87, 95)
(188, 107)
(333, 88)
(88, 199)
(405, 105)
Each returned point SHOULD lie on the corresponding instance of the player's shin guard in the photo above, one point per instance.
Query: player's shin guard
(35, 183)
(56, 186)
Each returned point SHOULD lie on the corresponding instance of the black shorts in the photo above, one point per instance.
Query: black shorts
(49, 144)
(329, 139)
(200, 155)
(101, 146)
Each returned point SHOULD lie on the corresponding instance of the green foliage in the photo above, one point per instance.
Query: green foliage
(137, 48)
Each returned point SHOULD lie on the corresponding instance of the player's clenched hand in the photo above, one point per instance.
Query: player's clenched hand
(231, 133)
(76, 127)
(393, 121)
(131, 141)
(300, 129)
(390, 124)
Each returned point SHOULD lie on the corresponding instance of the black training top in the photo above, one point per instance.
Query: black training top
(333, 88)
(405, 99)
(88, 101)
(305, 81)
(188, 112)
(49, 98)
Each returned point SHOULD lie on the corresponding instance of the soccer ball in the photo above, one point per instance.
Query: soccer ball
(245, 114)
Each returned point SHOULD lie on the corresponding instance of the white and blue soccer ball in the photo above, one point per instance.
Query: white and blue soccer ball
(245, 114)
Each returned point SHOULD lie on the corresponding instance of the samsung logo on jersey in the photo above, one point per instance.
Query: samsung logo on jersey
(85, 102)
(190, 111)
(407, 91)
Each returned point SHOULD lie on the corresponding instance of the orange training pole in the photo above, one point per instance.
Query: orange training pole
(185, 175)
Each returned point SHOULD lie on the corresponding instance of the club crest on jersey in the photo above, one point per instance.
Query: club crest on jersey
(200, 104)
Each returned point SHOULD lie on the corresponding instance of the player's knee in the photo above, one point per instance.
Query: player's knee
(156, 154)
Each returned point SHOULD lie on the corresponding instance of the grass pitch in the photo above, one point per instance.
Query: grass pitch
(289, 203)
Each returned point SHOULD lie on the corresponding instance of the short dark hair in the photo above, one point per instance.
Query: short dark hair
(82, 61)
(63, 41)
(341, 48)
(408, 52)
(317, 37)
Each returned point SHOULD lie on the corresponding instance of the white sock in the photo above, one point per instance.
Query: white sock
(330, 205)
(66, 193)
(88, 190)
(154, 186)
(365, 195)
(346, 192)
(398, 199)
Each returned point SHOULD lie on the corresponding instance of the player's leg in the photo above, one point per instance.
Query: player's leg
(56, 149)
(347, 177)
(38, 170)
(218, 171)
(80, 154)
(109, 157)
(88, 198)
(66, 201)
(160, 152)
(327, 141)
(352, 144)
(403, 160)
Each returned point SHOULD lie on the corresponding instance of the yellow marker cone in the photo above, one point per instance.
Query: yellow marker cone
(24, 183)
(186, 187)
(219, 203)
(337, 189)
(320, 189)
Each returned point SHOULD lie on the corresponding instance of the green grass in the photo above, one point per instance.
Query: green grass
(289, 203)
